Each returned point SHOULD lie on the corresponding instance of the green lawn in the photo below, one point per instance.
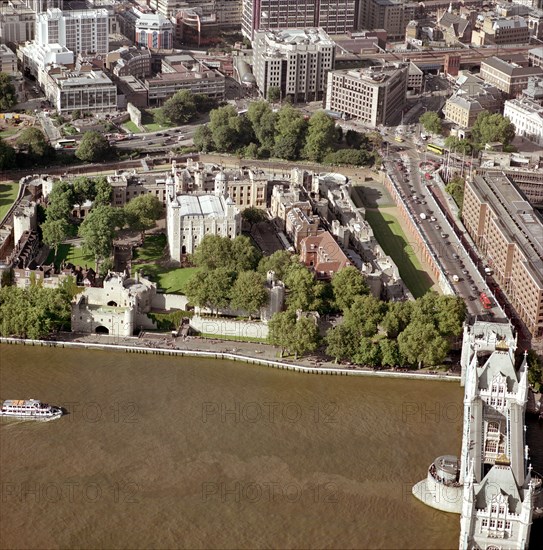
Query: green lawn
(392, 239)
(169, 280)
(148, 122)
(71, 254)
(8, 132)
(152, 249)
(131, 127)
(8, 194)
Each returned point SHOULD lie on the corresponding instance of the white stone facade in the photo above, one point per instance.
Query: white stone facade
(189, 218)
(119, 308)
(80, 31)
(294, 60)
(527, 116)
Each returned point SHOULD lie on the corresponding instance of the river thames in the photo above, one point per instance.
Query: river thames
(164, 452)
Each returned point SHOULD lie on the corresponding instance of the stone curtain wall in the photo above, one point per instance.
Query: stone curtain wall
(229, 327)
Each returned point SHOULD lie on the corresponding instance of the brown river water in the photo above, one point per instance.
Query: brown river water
(163, 452)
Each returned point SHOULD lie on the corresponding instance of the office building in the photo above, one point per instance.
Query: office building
(508, 233)
(294, 60)
(80, 31)
(374, 96)
(510, 78)
(334, 16)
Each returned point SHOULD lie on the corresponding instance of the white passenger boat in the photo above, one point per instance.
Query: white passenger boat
(30, 409)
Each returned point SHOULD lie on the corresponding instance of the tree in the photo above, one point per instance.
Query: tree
(94, 147)
(249, 292)
(321, 134)
(76, 115)
(180, 108)
(274, 94)
(142, 212)
(103, 192)
(368, 353)
(365, 315)
(7, 155)
(491, 127)
(353, 139)
(390, 353)
(290, 133)
(301, 288)
(204, 103)
(354, 157)
(341, 342)
(33, 142)
(213, 252)
(54, 232)
(535, 371)
(97, 231)
(431, 122)
(60, 202)
(396, 318)
(83, 189)
(263, 121)
(348, 283)
(8, 94)
(279, 262)
(420, 343)
(252, 151)
(230, 131)
(210, 289)
(33, 312)
(254, 215)
(305, 338)
(451, 313)
(245, 256)
(203, 139)
(455, 144)
(281, 330)
(455, 188)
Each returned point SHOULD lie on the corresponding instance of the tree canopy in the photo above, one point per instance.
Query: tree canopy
(237, 254)
(33, 142)
(8, 94)
(7, 155)
(296, 337)
(93, 147)
(431, 122)
(97, 232)
(490, 127)
(142, 212)
(210, 289)
(33, 312)
(248, 292)
(321, 134)
(348, 283)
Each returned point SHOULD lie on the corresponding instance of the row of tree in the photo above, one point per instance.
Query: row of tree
(32, 148)
(35, 312)
(286, 134)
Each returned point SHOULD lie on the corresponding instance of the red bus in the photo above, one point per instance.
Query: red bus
(485, 300)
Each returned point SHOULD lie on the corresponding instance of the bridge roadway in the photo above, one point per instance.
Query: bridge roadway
(469, 55)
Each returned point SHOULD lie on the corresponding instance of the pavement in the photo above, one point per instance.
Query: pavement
(246, 349)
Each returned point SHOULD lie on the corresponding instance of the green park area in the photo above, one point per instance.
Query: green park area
(131, 127)
(150, 260)
(148, 121)
(392, 239)
(71, 254)
(8, 194)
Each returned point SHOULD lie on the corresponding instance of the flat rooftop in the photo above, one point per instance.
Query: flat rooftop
(519, 221)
